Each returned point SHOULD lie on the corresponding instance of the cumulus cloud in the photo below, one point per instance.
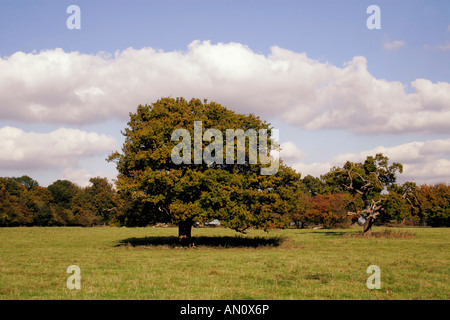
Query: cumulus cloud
(423, 162)
(75, 88)
(290, 153)
(59, 148)
(81, 176)
(394, 45)
(315, 169)
(78, 176)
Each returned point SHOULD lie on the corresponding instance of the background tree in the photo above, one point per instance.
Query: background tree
(303, 203)
(396, 208)
(435, 204)
(40, 203)
(157, 190)
(13, 204)
(368, 180)
(63, 193)
(409, 203)
(329, 210)
(102, 196)
(83, 209)
(314, 186)
(27, 182)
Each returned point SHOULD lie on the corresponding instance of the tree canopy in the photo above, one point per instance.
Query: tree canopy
(159, 190)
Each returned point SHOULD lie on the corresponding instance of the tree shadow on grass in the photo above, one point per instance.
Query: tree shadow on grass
(218, 242)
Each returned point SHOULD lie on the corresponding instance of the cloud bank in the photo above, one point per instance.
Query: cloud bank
(59, 87)
(56, 149)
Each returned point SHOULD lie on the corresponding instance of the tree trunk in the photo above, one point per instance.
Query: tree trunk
(184, 232)
(367, 228)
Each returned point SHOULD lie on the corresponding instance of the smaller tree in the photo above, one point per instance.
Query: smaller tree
(103, 198)
(314, 186)
(83, 210)
(63, 193)
(40, 202)
(13, 204)
(303, 203)
(27, 182)
(329, 210)
(396, 207)
(368, 180)
(409, 206)
(435, 204)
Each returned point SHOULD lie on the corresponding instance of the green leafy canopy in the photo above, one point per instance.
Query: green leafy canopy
(157, 190)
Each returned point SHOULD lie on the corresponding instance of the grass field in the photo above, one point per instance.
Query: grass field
(143, 263)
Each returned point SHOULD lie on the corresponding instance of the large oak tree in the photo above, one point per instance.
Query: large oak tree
(155, 189)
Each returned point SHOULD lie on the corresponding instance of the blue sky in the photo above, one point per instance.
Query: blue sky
(413, 43)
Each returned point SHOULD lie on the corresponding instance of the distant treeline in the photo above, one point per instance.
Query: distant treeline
(24, 203)
(327, 203)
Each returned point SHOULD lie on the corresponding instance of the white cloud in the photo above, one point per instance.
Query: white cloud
(59, 87)
(423, 162)
(59, 148)
(290, 153)
(394, 45)
(81, 176)
(315, 169)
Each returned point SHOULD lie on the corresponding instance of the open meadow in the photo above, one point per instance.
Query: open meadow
(291, 264)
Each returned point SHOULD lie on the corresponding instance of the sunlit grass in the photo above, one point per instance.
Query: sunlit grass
(146, 263)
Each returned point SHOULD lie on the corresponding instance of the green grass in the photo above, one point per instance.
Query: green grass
(146, 263)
